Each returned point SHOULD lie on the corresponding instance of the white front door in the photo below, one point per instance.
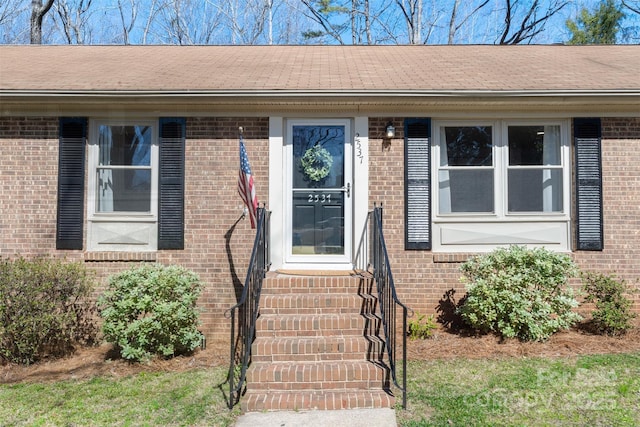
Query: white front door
(318, 197)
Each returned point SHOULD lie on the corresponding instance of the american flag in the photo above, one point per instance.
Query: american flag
(245, 185)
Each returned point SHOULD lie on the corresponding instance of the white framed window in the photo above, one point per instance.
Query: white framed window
(466, 169)
(123, 185)
(501, 182)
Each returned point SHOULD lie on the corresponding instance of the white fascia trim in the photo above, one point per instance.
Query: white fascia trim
(391, 93)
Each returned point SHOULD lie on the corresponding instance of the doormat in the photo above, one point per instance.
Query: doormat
(317, 272)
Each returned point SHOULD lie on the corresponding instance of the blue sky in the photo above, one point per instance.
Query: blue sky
(218, 17)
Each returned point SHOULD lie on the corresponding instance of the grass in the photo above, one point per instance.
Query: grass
(585, 391)
(192, 398)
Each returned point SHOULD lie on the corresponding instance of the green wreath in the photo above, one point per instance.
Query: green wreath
(316, 163)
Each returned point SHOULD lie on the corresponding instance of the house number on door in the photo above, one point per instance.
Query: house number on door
(319, 198)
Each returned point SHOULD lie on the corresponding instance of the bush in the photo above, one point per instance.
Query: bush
(612, 315)
(519, 293)
(151, 310)
(422, 327)
(44, 308)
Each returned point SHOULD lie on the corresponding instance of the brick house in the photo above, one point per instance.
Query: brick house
(117, 155)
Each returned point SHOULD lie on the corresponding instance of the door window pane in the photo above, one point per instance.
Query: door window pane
(318, 196)
(318, 156)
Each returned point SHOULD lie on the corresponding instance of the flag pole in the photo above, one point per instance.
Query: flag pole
(246, 187)
(245, 209)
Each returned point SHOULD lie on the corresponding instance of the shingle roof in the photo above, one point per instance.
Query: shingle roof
(319, 69)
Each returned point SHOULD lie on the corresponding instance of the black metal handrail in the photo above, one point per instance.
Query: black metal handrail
(388, 301)
(247, 309)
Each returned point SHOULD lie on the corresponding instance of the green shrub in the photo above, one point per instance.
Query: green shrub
(422, 327)
(612, 315)
(45, 308)
(519, 293)
(151, 310)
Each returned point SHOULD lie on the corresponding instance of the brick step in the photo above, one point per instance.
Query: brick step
(310, 303)
(332, 324)
(278, 284)
(316, 400)
(337, 375)
(376, 347)
(307, 349)
(316, 347)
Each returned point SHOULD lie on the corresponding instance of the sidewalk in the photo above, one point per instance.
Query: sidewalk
(384, 417)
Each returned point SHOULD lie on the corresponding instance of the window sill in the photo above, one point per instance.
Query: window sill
(120, 256)
(123, 218)
(452, 258)
(511, 218)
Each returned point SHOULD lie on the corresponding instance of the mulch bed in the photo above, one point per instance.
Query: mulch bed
(446, 344)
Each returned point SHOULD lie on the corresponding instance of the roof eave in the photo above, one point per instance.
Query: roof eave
(330, 102)
(389, 93)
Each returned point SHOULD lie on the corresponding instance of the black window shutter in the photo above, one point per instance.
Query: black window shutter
(417, 188)
(588, 159)
(71, 160)
(171, 188)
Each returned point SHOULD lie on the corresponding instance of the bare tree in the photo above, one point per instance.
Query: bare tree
(361, 22)
(288, 22)
(523, 27)
(248, 20)
(12, 28)
(128, 22)
(322, 12)
(631, 33)
(632, 5)
(269, 5)
(153, 12)
(412, 12)
(455, 25)
(38, 11)
(74, 17)
(8, 11)
(183, 22)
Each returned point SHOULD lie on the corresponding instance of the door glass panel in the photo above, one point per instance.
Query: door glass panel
(318, 190)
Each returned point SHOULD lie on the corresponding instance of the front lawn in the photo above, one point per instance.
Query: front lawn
(602, 390)
(571, 391)
(192, 398)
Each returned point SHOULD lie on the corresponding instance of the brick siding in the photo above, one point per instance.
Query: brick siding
(218, 241)
(424, 280)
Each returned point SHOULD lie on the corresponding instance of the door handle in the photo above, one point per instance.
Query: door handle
(347, 189)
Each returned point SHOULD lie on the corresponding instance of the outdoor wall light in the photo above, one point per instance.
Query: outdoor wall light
(390, 131)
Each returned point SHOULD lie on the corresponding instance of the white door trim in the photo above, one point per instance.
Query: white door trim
(278, 192)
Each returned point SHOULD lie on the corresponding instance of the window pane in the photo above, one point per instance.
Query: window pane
(326, 144)
(125, 145)
(535, 190)
(466, 191)
(124, 190)
(534, 145)
(467, 146)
